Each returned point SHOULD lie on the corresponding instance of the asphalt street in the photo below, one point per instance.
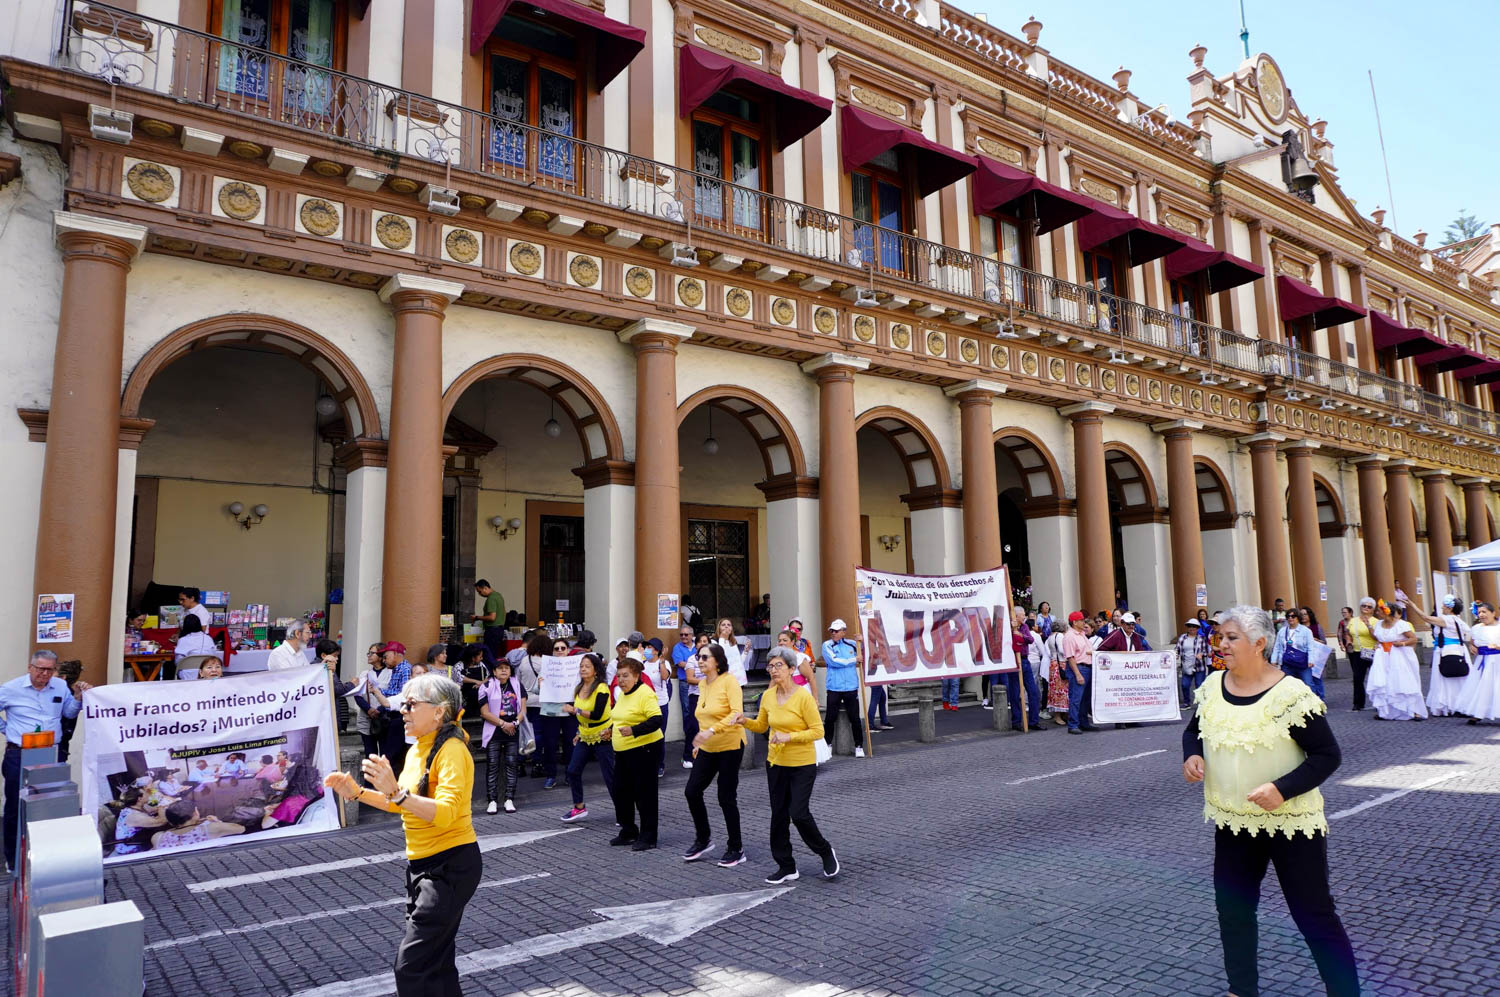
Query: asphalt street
(986, 863)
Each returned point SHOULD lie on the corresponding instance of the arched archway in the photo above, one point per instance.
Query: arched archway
(1142, 575)
(265, 333)
(1215, 503)
(1330, 509)
(925, 465)
(598, 431)
(1216, 521)
(1032, 510)
(771, 430)
(907, 500)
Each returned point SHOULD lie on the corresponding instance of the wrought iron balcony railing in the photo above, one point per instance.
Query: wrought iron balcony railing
(127, 49)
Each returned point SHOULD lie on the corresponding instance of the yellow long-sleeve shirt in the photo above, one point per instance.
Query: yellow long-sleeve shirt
(717, 702)
(451, 785)
(636, 709)
(799, 717)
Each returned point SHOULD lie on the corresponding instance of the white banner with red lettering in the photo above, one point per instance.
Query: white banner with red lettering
(1137, 687)
(925, 627)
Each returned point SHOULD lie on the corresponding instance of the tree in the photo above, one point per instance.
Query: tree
(1465, 226)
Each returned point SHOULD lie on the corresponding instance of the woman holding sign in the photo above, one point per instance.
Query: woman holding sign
(1261, 745)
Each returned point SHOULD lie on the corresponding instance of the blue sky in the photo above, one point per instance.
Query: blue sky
(1433, 75)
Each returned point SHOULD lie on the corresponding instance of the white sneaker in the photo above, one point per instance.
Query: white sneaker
(986, 705)
(510, 807)
(859, 752)
(492, 808)
(687, 765)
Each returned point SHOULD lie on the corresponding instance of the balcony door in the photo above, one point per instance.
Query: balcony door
(729, 145)
(532, 76)
(308, 34)
(878, 198)
(1102, 274)
(1187, 304)
(1001, 243)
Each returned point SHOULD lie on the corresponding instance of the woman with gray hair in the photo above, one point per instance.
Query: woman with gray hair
(1261, 745)
(432, 795)
(1362, 634)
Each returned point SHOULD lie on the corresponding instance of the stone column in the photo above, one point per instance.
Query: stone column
(981, 494)
(609, 539)
(792, 524)
(1270, 534)
(658, 512)
(838, 483)
(1096, 573)
(1186, 532)
(81, 466)
(1477, 525)
(412, 560)
(1379, 573)
(1439, 530)
(364, 466)
(1307, 541)
(1403, 526)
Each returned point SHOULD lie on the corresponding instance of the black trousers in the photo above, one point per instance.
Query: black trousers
(725, 765)
(437, 890)
(11, 769)
(791, 795)
(850, 702)
(1301, 862)
(1359, 667)
(635, 791)
(503, 752)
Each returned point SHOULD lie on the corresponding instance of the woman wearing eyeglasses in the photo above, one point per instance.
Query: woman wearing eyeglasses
(637, 722)
(718, 749)
(432, 795)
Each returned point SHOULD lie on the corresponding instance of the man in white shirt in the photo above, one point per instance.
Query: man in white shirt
(188, 599)
(289, 653)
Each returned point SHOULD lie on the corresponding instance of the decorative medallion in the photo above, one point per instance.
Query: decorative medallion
(1384, 438)
(1216, 404)
(783, 311)
(1278, 413)
(1344, 428)
(150, 182)
(936, 343)
(1195, 400)
(1056, 369)
(584, 270)
(738, 302)
(639, 281)
(901, 336)
(319, 217)
(472, 201)
(593, 229)
(1104, 192)
(1133, 385)
(510, 304)
(864, 328)
(968, 350)
(239, 200)
(320, 270)
(578, 316)
(690, 291)
(1083, 374)
(1174, 394)
(1234, 408)
(324, 168)
(273, 262)
(393, 231)
(1328, 424)
(1272, 88)
(824, 320)
(738, 47)
(473, 298)
(1028, 363)
(402, 185)
(547, 311)
(365, 279)
(224, 253)
(879, 101)
(462, 245)
(536, 216)
(1008, 153)
(174, 245)
(246, 150)
(1000, 359)
(526, 258)
(1153, 390)
(1107, 379)
(160, 129)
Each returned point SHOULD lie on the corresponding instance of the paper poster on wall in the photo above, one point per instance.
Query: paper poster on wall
(667, 616)
(1136, 687)
(1323, 591)
(54, 618)
(1200, 596)
(558, 678)
(924, 627)
(561, 606)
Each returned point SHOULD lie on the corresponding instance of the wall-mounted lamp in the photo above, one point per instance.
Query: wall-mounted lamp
(504, 527)
(889, 541)
(252, 518)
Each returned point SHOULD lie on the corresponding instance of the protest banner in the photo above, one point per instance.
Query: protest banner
(193, 765)
(927, 627)
(1137, 687)
(557, 678)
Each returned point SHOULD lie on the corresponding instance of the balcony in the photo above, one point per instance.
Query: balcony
(877, 267)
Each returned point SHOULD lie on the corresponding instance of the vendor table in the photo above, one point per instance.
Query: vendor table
(146, 667)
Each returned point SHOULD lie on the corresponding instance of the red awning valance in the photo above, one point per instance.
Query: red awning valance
(1482, 371)
(1299, 300)
(1463, 362)
(1220, 270)
(1002, 188)
(1444, 354)
(1143, 241)
(702, 74)
(867, 135)
(615, 43)
(1387, 333)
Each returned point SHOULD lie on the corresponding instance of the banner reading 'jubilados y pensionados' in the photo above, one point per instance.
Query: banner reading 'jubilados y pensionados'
(192, 765)
(925, 627)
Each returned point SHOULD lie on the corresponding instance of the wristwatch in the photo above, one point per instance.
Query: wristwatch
(396, 800)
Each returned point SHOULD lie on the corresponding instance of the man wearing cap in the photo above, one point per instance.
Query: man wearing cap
(1079, 657)
(1192, 660)
(841, 658)
(1126, 637)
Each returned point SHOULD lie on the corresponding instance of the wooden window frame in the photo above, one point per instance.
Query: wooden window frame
(535, 61)
(900, 179)
(729, 125)
(277, 41)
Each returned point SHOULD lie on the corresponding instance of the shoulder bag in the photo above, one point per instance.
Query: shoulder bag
(1451, 663)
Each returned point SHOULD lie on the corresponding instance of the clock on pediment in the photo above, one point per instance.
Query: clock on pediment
(1271, 86)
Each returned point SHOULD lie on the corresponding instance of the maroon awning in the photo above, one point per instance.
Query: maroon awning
(1002, 188)
(1299, 300)
(1461, 362)
(703, 73)
(615, 43)
(1443, 354)
(1221, 270)
(1482, 371)
(1387, 333)
(867, 135)
(1143, 241)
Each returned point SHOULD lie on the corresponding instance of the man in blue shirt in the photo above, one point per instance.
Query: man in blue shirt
(841, 659)
(685, 658)
(37, 701)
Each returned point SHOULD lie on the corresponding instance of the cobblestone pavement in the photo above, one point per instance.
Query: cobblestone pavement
(969, 868)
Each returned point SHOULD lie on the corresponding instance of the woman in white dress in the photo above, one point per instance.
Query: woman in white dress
(1395, 682)
(1450, 659)
(1480, 698)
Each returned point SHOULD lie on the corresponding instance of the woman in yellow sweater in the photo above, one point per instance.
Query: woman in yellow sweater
(591, 708)
(718, 750)
(433, 796)
(637, 721)
(787, 710)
